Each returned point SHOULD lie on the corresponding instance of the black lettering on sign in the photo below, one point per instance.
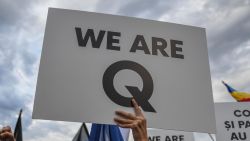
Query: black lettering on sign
(244, 124)
(241, 123)
(167, 138)
(237, 113)
(229, 124)
(140, 44)
(154, 138)
(96, 41)
(174, 49)
(141, 96)
(159, 44)
(82, 42)
(175, 138)
(239, 136)
(240, 113)
(181, 137)
(111, 40)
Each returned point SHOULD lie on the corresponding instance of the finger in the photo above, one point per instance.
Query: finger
(123, 121)
(125, 115)
(137, 109)
(126, 125)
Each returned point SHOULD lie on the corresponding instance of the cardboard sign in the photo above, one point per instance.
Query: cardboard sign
(233, 121)
(93, 64)
(168, 135)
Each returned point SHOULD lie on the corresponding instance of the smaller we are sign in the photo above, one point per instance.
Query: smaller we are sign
(169, 135)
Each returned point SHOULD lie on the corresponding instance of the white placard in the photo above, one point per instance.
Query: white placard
(92, 64)
(233, 121)
(168, 135)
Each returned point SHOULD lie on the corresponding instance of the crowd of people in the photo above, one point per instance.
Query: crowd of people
(136, 121)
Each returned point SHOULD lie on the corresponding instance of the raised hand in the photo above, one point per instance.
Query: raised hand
(137, 122)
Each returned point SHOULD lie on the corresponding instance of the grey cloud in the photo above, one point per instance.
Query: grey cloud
(230, 38)
(6, 78)
(12, 10)
(107, 5)
(153, 9)
(224, 5)
(12, 99)
(28, 60)
(15, 57)
(6, 65)
(41, 129)
(9, 102)
(150, 9)
(9, 110)
(19, 43)
(228, 29)
(234, 28)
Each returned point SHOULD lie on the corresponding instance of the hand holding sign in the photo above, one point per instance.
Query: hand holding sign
(136, 122)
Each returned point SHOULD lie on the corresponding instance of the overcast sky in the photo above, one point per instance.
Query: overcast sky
(22, 24)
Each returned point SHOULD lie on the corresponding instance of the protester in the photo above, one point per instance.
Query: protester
(137, 122)
(6, 134)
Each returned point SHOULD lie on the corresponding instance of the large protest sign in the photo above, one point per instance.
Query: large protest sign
(93, 64)
(233, 121)
(169, 135)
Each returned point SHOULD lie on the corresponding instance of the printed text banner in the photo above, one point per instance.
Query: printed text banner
(233, 121)
(93, 64)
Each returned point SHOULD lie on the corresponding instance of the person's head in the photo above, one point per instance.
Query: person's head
(6, 134)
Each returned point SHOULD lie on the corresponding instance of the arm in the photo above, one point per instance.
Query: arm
(137, 122)
(6, 134)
